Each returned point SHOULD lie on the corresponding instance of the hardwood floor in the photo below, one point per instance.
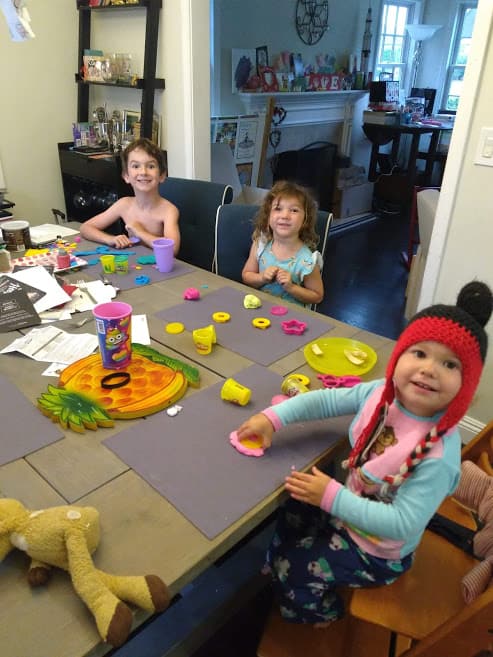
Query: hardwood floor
(364, 275)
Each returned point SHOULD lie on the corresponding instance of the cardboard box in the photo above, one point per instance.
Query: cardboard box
(353, 200)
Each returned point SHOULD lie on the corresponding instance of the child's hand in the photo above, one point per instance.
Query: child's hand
(120, 241)
(283, 277)
(257, 425)
(306, 487)
(269, 274)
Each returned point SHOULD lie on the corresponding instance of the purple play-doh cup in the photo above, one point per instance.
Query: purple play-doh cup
(113, 327)
(163, 252)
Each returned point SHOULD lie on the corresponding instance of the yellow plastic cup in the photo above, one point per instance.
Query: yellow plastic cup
(234, 392)
(108, 263)
(204, 338)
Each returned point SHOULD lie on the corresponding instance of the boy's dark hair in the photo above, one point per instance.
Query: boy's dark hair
(150, 148)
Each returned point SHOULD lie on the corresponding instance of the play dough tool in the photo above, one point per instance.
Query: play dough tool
(333, 360)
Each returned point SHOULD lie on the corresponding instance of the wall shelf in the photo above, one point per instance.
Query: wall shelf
(148, 84)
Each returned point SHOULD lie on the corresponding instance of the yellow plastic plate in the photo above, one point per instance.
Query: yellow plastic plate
(333, 361)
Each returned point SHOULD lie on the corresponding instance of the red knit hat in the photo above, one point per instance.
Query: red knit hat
(460, 328)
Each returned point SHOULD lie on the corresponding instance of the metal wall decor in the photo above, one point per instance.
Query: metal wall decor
(312, 20)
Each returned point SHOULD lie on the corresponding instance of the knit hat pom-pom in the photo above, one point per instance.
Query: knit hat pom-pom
(476, 299)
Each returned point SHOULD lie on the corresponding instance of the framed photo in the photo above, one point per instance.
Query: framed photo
(246, 139)
(131, 121)
(262, 58)
(242, 67)
(226, 133)
(245, 173)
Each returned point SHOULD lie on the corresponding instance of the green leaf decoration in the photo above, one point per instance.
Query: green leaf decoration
(71, 409)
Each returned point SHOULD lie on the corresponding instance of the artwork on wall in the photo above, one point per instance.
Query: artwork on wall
(262, 58)
(224, 131)
(244, 135)
(243, 65)
(245, 173)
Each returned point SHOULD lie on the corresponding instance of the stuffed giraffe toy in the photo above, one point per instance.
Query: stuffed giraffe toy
(65, 537)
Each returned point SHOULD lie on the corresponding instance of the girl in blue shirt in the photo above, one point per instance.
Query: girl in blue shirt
(404, 460)
(281, 260)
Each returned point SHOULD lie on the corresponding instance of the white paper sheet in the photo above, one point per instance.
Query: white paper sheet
(140, 329)
(41, 279)
(52, 345)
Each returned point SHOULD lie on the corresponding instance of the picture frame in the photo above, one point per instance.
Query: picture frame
(226, 132)
(131, 122)
(245, 173)
(261, 58)
(242, 68)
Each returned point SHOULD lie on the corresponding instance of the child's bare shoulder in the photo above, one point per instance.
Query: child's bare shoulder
(167, 207)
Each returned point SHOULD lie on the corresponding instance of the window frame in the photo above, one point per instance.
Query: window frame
(404, 65)
(451, 67)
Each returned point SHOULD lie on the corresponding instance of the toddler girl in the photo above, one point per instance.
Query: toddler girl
(281, 260)
(404, 460)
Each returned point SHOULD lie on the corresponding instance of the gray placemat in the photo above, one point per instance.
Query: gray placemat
(24, 428)
(263, 346)
(128, 281)
(188, 458)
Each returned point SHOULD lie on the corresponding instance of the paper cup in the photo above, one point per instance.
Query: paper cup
(163, 252)
(113, 323)
(235, 393)
(121, 264)
(108, 263)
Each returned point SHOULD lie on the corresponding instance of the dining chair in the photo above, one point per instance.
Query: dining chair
(197, 201)
(423, 611)
(426, 604)
(233, 238)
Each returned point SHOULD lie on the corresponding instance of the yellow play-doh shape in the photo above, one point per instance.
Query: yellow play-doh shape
(251, 301)
(261, 322)
(174, 328)
(221, 317)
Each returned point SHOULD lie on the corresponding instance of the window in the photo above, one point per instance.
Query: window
(393, 42)
(459, 53)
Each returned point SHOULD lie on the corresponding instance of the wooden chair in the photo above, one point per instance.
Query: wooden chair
(426, 603)
(423, 609)
(197, 201)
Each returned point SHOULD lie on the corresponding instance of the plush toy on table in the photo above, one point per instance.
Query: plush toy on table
(65, 537)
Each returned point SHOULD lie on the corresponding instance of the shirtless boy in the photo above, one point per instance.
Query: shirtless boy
(147, 215)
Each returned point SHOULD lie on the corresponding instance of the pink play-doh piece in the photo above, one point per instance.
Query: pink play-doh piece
(243, 449)
(191, 294)
(293, 327)
(278, 310)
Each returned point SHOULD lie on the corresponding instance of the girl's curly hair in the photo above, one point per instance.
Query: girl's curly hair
(286, 189)
(148, 147)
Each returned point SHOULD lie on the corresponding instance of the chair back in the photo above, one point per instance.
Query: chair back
(324, 220)
(234, 228)
(197, 201)
(233, 236)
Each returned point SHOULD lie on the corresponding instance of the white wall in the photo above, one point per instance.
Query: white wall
(253, 23)
(39, 94)
(37, 107)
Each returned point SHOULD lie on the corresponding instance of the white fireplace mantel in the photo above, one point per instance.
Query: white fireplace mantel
(309, 107)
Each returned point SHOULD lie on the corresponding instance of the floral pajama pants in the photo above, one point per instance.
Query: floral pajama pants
(311, 554)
